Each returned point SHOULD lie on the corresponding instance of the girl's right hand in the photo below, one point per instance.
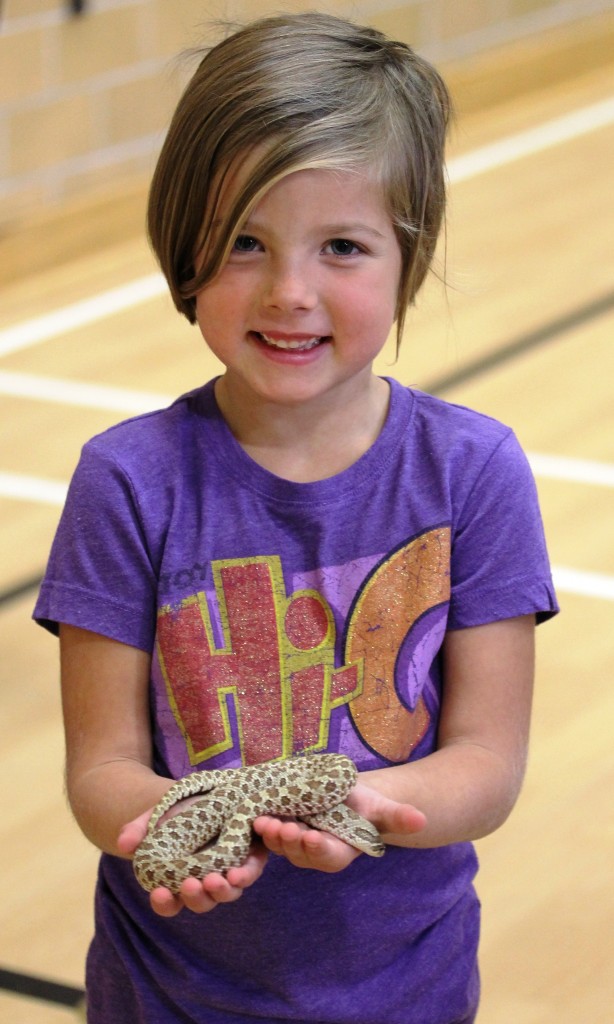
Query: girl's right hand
(199, 896)
(105, 694)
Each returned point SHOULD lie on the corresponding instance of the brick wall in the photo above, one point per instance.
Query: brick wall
(84, 101)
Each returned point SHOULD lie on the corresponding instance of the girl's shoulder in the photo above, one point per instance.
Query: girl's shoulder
(449, 445)
(440, 433)
(455, 421)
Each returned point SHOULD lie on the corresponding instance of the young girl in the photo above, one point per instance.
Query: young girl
(299, 557)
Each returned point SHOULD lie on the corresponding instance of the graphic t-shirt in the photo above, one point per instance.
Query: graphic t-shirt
(286, 618)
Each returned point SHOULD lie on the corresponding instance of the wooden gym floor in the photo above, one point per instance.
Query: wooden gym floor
(522, 331)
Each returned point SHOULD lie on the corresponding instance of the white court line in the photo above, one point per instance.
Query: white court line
(53, 492)
(32, 488)
(79, 314)
(584, 471)
(584, 584)
(534, 140)
(469, 165)
(131, 402)
(142, 289)
(81, 394)
(581, 471)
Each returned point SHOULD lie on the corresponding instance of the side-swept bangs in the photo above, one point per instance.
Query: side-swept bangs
(303, 91)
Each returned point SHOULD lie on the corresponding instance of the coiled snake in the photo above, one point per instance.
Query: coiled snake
(311, 788)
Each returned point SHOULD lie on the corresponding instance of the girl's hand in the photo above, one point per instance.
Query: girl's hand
(199, 896)
(307, 848)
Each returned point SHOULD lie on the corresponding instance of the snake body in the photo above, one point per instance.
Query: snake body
(311, 788)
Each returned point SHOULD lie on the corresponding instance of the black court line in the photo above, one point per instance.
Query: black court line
(40, 988)
(66, 995)
(518, 346)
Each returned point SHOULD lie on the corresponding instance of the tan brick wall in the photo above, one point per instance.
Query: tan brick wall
(84, 101)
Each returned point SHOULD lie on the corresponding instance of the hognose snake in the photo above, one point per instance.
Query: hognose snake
(311, 788)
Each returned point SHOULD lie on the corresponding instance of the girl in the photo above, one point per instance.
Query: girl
(299, 556)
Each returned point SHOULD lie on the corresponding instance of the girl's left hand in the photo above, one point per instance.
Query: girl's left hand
(308, 848)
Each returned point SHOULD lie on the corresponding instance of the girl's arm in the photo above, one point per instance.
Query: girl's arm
(465, 789)
(468, 787)
(109, 777)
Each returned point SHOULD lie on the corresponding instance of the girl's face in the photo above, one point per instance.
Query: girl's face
(308, 294)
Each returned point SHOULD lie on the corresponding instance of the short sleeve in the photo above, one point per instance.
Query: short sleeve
(100, 575)
(500, 566)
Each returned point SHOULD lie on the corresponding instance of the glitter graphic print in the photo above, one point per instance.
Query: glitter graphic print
(256, 670)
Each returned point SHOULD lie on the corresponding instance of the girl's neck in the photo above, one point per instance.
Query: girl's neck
(310, 441)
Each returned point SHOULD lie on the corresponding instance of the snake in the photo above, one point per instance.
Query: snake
(214, 833)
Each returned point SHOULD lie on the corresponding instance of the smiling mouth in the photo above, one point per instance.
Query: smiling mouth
(291, 344)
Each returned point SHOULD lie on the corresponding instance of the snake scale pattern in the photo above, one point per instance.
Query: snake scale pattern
(214, 833)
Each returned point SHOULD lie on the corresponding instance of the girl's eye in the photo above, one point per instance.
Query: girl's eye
(245, 243)
(343, 247)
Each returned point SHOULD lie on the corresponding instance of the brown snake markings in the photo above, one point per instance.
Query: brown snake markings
(311, 788)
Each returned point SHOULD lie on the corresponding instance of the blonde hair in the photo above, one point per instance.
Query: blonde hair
(307, 90)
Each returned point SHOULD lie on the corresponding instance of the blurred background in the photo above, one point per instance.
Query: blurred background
(86, 96)
(522, 330)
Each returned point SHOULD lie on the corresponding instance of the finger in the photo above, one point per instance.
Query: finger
(203, 896)
(403, 819)
(304, 847)
(215, 888)
(250, 871)
(292, 833)
(392, 818)
(326, 852)
(164, 903)
(286, 839)
(269, 830)
(388, 815)
(133, 833)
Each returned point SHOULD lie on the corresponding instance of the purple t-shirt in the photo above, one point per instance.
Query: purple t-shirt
(282, 618)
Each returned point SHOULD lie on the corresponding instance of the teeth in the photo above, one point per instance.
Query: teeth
(290, 343)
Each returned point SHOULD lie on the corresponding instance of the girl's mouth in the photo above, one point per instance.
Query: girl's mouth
(303, 344)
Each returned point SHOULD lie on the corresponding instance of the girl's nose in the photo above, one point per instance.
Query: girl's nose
(288, 287)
